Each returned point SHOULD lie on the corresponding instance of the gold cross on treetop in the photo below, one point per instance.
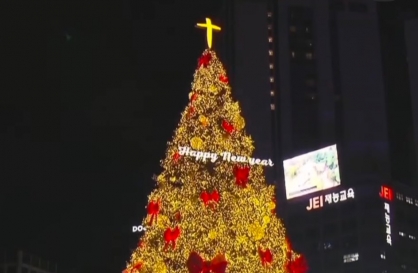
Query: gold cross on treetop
(209, 29)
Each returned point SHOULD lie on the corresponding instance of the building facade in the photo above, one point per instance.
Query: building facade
(313, 70)
(309, 74)
(21, 262)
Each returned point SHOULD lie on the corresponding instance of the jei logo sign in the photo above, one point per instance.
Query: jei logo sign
(387, 194)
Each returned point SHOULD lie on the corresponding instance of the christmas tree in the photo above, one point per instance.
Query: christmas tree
(213, 210)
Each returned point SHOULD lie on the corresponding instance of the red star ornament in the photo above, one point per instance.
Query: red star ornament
(205, 60)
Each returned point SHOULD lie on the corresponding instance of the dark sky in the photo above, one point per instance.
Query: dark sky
(92, 92)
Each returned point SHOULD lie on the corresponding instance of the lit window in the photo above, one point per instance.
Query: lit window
(292, 29)
(272, 93)
(271, 52)
(309, 56)
(401, 234)
(293, 54)
(383, 255)
(272, 107)
(350, 258)
(271, 66)
(399, 196)
(403, 266)
(416, 202)
(412, 237)
(269, 14)
(409, 200)
(307, 30)
(270, 39)
(271, 79)
(269, 27)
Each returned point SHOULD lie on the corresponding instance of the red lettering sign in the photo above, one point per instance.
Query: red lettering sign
(386, 193)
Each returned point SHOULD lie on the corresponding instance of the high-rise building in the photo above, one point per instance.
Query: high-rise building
(21, 262)
(309, 74)
(313, 69)
(411, 37)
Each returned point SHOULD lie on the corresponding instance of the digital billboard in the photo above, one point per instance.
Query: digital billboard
(312, 172)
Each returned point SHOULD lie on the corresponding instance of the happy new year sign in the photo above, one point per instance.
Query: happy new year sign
(225, 156)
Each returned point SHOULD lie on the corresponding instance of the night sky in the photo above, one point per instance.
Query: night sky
(89, 100)
(91, 91)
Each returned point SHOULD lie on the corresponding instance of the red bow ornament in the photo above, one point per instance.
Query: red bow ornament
(171, 236)
(210, 197)
(241, 175)
(153, 209)
(228, 127)
(196, 264)
(299, 265)
(204, 60)
(266, 256)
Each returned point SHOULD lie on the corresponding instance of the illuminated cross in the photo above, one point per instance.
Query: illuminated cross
(209, 28)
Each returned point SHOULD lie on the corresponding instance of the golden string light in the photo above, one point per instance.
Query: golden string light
(241, 222)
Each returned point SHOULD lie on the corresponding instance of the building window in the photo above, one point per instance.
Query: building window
(349, 258)
(416, 202)
(383, 255)
(269, 27)
(412, 237)
(399, 196)
(271, 79)
(271, 66)
(292, 28)
(409, 200)
(269, 14)
(272, 107)
(401, 234)
(272, 93)
(270, 39)
(271, 52)
(293, 54)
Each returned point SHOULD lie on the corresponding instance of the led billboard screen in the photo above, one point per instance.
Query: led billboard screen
(312, 172)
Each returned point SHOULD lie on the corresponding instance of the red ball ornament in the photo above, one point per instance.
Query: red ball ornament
(205, 60)
(191, 111)
(266, 256)
(299, 265)
(223, 79)
(176, 157)
(171, 236)
(241, 175)
(228, 127)
(196, 264)
(194, 97)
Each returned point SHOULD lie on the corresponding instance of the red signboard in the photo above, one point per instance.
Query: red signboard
(386, 193)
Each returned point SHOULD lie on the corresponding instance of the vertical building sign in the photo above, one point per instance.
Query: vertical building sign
(387, 195)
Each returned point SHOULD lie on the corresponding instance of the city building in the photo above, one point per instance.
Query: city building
(366, 228)
(22, 262)
(411, 37)
(310, 74)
